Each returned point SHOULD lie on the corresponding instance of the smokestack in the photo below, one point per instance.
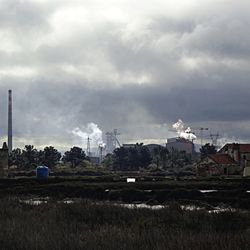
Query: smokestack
(10, 122)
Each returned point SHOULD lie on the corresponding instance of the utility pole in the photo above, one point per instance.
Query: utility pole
(201, 133)
(101, 147)
(214, 138)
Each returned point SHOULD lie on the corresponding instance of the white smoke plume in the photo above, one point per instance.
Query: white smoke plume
(182, 131)
(92, 131)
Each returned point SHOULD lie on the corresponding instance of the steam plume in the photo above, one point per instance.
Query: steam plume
(182, 131)
(92, 131)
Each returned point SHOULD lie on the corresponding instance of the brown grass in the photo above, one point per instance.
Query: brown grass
(88, 225)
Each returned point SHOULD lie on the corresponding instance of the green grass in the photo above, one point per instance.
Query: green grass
(88, 225)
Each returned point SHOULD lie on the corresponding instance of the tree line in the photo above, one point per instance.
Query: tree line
(123, 158)
(30, 157)
(139, 156)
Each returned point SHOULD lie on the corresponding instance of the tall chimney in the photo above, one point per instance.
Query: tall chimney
(10, 122)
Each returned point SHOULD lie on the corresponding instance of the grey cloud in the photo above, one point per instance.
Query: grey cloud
(223, 35)
(165, 25)
(214, 91)
(23, 16)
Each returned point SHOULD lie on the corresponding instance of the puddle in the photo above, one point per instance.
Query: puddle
(191, 207)
(220, 210)
(142, 205)
(183, 207)
(67, 201)
(34, 202)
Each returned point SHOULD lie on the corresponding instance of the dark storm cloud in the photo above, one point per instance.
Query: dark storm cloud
(222, 103)
(51, 111)
(221, 38)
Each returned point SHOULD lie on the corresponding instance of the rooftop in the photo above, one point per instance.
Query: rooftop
(221, 159)
(243, 148)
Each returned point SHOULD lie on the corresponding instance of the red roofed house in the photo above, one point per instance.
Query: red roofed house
(230, 159)
(217, 164)
(239, 152)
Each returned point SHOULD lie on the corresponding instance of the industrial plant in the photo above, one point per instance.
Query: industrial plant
(229, 160)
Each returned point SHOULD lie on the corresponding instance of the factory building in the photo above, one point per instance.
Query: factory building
(128, 145)
(150, 147)
(180, 145)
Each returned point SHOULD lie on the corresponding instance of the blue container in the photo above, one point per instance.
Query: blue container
(42, 173)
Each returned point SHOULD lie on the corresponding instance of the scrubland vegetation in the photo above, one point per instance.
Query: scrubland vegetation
(88, 225)
(134, 158)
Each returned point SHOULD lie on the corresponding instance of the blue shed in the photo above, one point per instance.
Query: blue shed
(42, 172)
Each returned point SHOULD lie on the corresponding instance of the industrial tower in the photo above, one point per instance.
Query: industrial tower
(112, 141)
(88, 147)
(10, 122)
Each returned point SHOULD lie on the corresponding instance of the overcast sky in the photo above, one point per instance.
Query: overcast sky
(137, 66)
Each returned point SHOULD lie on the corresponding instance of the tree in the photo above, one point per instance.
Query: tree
(121, 158)
(50, 156)
(40, 157)
(74, 156)
(30, 156)
(146, 158)
(15, 158)
(160, 155)
(108, 161)
(132, 158)
(163, 156)
(207, 149)
(174, 156)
